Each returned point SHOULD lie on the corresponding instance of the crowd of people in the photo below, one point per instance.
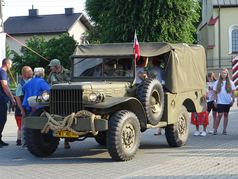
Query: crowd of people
(220, 97)
(30, 84)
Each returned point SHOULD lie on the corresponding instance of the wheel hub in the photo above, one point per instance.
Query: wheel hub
(182, 125)
(155, 102)
(128, 136)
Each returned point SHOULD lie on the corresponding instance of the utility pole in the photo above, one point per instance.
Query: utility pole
(1, 18)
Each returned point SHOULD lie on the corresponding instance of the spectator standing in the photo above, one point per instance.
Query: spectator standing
(59, 74)
(211, 96)
(20, 112)
(34, 87)
(224, 89)
(200, 119)
(5, 95)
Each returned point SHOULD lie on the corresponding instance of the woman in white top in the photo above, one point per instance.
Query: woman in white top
(224, 89)
(211, 96)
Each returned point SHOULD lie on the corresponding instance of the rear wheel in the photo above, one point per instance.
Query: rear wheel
(123, 137)
(40, 145)
(177, 134)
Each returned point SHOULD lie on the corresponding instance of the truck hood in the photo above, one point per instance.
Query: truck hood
(92, 85)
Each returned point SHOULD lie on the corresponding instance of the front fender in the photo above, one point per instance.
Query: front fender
(112, 104)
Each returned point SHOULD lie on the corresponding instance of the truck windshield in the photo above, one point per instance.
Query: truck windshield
(103, 67)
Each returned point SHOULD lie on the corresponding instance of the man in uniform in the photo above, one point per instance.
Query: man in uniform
(59, 74)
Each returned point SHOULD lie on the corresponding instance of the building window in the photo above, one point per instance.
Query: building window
(234, 37)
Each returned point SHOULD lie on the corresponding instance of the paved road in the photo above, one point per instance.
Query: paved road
(202, 157)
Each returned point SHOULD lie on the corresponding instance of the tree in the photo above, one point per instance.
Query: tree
(60, 48)
(29, 58)
(154, 20)
(8, 52)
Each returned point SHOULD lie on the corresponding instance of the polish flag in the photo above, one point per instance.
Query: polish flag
(136, 48)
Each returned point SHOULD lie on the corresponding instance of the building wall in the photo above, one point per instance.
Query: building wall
(228, 18)
(226, 21)
(77, 30)
(209, 35)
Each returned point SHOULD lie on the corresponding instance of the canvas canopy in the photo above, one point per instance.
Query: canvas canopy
(185, 68)
(121, 49)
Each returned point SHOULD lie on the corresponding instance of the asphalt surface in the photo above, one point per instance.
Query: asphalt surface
(202, 157)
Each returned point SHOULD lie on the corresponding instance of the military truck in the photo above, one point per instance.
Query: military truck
(103, 101)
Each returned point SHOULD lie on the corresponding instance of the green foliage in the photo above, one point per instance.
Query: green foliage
(154, 20)
(8, 52)
(60, 48)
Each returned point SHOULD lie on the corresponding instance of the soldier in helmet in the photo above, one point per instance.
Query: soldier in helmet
(58, 74)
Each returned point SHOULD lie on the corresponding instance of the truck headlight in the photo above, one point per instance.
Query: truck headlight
(92, 97)
(45, 96)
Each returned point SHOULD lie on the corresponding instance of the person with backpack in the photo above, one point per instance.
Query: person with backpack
(20, 112)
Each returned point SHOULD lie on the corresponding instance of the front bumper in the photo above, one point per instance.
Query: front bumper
(81, 125)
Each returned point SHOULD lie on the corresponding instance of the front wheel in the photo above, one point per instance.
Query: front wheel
(123, 137)
(177, 134)
(40, 145)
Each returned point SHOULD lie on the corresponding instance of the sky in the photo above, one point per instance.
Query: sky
(21, 7)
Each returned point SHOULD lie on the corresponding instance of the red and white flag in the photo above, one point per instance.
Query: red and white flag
(136, 48)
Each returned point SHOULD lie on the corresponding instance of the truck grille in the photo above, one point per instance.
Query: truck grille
(65, 101)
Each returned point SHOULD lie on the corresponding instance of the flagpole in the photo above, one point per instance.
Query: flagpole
(1, 18)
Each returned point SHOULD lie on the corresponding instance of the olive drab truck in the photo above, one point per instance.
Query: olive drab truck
(103, 101)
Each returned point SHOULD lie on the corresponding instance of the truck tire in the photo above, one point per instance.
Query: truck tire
(101, 138)
(123, 137)
(38, 144)
(177, 134)
(151, 95)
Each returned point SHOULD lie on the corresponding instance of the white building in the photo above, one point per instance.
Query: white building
(24, 27)
(218, 32)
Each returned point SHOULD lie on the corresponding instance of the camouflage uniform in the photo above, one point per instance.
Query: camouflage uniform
(63, 76)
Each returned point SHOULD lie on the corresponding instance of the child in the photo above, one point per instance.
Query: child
(200, 119)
